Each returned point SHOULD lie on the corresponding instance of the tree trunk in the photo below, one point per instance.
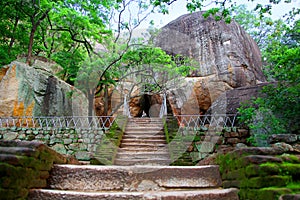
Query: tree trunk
(91, 97)
(12, 40)
(34, 27)
(30, 45)
(106, 100)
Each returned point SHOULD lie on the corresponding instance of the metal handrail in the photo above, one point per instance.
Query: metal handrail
(96, 122)
(198, 121)
(126, 108)
(163, 108)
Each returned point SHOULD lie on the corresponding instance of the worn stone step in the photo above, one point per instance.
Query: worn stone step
(152, 119)
(144, 149)
(145, 122)
(155, 124)
(142, 145)
(199, 194)
(143, 141)
(143, 155)
(142, 161)
(139, 136)
(143, 129)
(122, 178)
(145, 132)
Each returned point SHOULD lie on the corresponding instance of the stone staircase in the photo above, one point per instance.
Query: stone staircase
(143, 143)
(90, 182)
(141, 171)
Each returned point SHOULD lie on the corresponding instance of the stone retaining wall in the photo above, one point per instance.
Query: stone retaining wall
(81, 143)
(262, 172)
(25, 165)
(204, 143)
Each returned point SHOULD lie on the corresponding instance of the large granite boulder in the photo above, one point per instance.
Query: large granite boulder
(36, 91)
(231, 100)
(226, 56)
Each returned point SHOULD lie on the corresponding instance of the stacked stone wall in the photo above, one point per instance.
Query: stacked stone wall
(262, 172)
(81, 143)
(25, 165)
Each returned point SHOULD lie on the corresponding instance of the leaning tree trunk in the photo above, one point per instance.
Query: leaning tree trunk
(30, 45)
(35, 25)
(12, 40)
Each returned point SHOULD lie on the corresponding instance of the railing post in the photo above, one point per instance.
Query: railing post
(163, 108)
(126, 110)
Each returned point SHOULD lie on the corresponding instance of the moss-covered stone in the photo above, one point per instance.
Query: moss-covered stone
(290, 158)
(262, 170)
(234, 175)
(291, 169)
(263, 194)
(268, 181)
(231, 184)
(16, 177)
(110, 142)
(294, 186)
(13, 194)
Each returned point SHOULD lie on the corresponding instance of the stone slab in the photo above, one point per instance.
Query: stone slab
(122, 178)
(207, 194)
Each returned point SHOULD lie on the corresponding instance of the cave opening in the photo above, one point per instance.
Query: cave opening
(150, 106)
(145, 105)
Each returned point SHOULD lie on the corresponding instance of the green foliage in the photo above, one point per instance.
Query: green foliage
(70, 62)
(277, 110)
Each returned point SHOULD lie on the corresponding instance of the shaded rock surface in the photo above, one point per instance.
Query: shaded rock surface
(36, 91)
(223, 50)
(226, 56)
(231, 100)
(25, 165)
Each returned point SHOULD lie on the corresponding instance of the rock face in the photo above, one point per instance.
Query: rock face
(229, 101)
(35, 91)
(226, 56)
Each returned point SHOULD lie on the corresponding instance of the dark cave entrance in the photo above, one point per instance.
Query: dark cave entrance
(145, 105)
(150, 106)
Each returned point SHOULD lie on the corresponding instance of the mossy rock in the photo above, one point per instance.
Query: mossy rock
(231, 184)
(262, 194)
(268, 181)
(291, 169)
(17, 177)
(294, 186)
(265, 169)
(234, 175)
(230, 162)
(290, 158)
(12, 194)
(107, 149)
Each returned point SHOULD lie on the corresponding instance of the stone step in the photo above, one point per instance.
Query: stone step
(141, 137)
(142, 161)
(143, 141)
(133, 155)
(143, 129)
(145, 133)
(142, 145)
(144, 149)
(161, 150)
(129, 178)
(203, 194)
(145, 122)
(152, 119)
